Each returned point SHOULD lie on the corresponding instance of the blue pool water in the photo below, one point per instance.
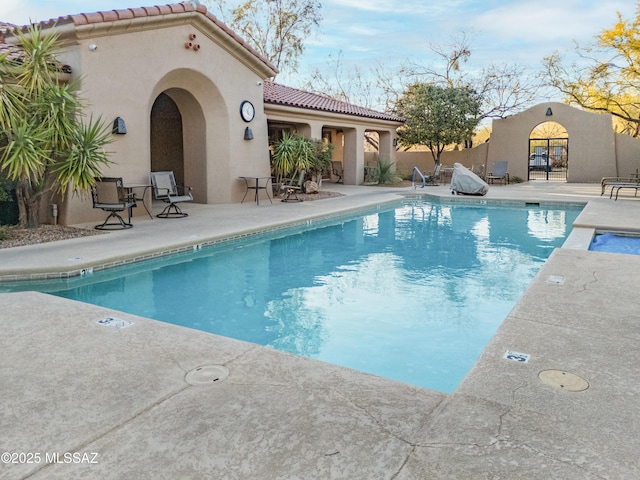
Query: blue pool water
(609, 242)
(411, 292)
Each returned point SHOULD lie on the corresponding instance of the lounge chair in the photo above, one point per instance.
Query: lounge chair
(165, 189)
(291, 187)
(616, 187)
(109, 195)
(625, 182)
(433, 177)
(499, 172)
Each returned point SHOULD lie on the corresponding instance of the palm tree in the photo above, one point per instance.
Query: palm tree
(45, 145)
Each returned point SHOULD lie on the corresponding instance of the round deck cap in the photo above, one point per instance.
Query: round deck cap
(207, 375)
(563, 380)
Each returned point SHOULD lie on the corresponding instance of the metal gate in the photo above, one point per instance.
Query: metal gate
(548, 159)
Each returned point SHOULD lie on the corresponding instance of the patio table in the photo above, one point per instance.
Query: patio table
(130, 187)
(253, 183)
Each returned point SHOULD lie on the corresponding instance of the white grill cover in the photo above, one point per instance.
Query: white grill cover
(465, 181)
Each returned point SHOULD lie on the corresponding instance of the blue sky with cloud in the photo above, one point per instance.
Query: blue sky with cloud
(367, 32)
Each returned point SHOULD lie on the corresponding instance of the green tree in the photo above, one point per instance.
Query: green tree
(45, 146)
(321, 159)
(437, 116)
(607, 76)
(275, 28)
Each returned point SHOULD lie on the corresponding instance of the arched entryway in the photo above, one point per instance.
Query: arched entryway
(177, 139)
(548, 152)
(167, 152)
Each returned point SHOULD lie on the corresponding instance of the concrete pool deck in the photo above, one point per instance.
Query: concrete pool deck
(120, 400)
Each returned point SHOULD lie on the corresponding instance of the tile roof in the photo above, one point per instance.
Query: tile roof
(5, 48)
(274, 93)
(5, 27)
(81, 19)
(277, 94)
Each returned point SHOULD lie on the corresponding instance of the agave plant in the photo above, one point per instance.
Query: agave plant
(385, 173)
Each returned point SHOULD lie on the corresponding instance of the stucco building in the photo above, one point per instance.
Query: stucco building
(176, 78)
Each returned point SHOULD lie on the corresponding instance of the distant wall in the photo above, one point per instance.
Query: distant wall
(424, 160)
(627, 154)
(467, 157)
(405, 161)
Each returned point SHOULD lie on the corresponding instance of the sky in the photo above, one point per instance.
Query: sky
(390, 32)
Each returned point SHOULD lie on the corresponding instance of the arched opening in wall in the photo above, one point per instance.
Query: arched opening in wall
(178, 140)
(167, 148)
(548, 152)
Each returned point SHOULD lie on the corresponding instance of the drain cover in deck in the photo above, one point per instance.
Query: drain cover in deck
(207, 375)
(563, 380)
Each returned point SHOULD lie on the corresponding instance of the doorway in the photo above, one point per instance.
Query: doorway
(167, 149)
(548, 157)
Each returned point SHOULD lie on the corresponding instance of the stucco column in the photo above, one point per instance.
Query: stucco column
(304, 130)
(310, 130)
(316, 130)
(386, 148)
(353, 157)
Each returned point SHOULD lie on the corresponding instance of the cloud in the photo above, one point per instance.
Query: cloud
(548, 21)
(395, 7)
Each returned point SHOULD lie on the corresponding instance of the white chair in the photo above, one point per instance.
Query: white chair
(165, 189)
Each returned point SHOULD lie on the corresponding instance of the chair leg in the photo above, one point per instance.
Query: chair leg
(172, 211)
(291, 192)
(118, 225)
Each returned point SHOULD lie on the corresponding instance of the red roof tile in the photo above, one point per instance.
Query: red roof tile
(11, 51)
(152, 11)
(277, 94)
(5, 27)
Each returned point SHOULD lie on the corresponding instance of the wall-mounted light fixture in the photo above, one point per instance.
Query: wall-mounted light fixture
(395, 142)
(119, 128)
(549, 112)
(248, 134)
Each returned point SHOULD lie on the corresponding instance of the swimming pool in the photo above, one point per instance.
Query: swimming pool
(411, 292)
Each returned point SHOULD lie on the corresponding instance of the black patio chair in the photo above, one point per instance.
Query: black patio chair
(109, 195)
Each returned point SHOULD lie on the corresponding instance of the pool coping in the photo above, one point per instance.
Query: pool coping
(82, 268)
(326, 421)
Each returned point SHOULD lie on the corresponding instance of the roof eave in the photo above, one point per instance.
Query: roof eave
(305, 112)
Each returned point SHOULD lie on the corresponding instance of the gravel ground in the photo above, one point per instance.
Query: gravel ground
(17, 237)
